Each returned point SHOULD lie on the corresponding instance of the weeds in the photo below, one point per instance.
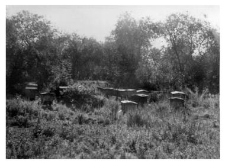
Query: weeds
(136, 118)
(154, 131)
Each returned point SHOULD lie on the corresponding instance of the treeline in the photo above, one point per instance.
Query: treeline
(189, 57)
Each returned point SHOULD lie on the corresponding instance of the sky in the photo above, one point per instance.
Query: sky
(99, 21)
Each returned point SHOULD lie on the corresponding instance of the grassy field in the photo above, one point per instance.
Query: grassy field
(92, 131)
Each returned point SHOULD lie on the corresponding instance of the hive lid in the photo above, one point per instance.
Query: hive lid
(176, 98)
(46, 93)
(110, 88)
(121, 90)
(177, 92)
(63, 87)
(141, 90)
(32, 84)
(128, 102)
(130, 89)
(141, 95)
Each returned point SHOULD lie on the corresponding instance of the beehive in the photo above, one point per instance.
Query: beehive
(176, 102)
(141, 99)
(128, 105)
(178, 94)
(31, 90)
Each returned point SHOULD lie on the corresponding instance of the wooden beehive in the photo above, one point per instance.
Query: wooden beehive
(31, 90)
(47, 98)
(176, 102)
(141, 99)
(142, 91)
(128, 105)
(122, 93)
(178, 94)
(129, 92)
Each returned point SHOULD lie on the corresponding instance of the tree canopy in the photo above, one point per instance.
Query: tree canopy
(36, 51)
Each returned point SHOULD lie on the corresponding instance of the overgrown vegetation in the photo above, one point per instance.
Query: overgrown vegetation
(84, 96)
(154, 131)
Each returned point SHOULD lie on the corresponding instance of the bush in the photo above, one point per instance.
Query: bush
(18, 143)
(20, 121)
(64, 113)
(196, 98)
(83, 119)
(20, 112)
(16, 107)
(49, 131)
(137, 118)
(162, 109)
(81, 95)
(110, 109)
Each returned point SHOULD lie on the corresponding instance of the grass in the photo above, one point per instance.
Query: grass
(153, 132)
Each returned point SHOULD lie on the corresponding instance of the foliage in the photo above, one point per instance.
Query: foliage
(81, 95)
(190, 42)
(153, 131)
(29, 49)
(190, 56)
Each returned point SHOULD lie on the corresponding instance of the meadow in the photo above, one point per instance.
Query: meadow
(86, 128)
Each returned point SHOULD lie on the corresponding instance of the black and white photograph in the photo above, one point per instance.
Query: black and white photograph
(112, 82)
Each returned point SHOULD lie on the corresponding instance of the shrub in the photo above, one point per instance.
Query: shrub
(19, 143)
(110, 109)
(82, 119)
(20, 112)
(81, 95)
(16, 107)
(162, 109)
(48, 131)
(137, 118)
(21, 121)
(181, 133)
(196, 98)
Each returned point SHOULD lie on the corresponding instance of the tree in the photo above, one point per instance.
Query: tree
(29, 49)
(131, 37)
(35, 51)
(188, 58)
(85, 56)
(189, 41)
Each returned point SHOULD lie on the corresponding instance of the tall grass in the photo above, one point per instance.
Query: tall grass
(195, 97)
(154, 131)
